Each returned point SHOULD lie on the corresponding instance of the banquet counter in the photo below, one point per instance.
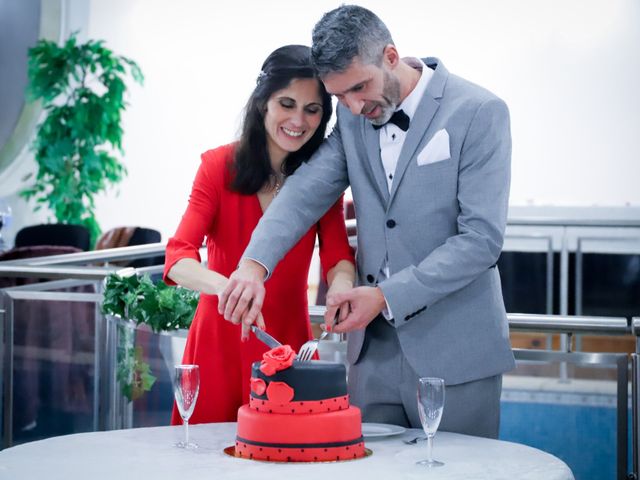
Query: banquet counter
(149, 453)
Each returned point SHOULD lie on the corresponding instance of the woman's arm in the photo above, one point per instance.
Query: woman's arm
(341, 276)
(202, 209)
(191, 274)
(336, 259)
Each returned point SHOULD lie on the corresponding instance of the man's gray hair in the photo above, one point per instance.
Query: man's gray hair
(347, 32)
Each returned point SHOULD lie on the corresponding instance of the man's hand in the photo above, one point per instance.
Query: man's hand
(365, 302)
(339, 285)
(241, 300)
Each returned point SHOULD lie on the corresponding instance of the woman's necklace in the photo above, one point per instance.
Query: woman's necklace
(278, 182)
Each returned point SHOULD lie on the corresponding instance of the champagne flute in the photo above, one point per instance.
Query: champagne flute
(430, 406)
(185, 388)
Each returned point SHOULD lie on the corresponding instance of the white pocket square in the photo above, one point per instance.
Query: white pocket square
(436, 150)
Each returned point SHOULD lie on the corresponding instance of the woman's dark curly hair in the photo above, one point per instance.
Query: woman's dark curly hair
(252, 166)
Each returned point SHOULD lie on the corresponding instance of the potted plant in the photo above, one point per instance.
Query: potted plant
(139, 301)
(82, 88)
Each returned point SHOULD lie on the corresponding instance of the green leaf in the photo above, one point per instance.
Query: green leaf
(82, 88)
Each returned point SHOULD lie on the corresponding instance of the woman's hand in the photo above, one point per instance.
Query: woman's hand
(340, 279)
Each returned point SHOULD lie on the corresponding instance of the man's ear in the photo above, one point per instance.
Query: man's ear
(390, 56)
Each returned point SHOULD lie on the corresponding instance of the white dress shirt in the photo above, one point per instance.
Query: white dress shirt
(391, 136)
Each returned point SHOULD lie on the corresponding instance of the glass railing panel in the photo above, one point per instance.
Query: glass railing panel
(141, 365)
(576, 418)
(53, 369)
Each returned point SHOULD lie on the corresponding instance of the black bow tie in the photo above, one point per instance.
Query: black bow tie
(399, 118)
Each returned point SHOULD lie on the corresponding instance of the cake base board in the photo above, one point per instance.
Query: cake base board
(231, 451)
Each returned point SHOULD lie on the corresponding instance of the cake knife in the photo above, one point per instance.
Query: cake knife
(265, 338)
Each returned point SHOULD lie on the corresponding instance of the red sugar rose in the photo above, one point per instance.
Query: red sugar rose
(277, 359)
(258, 386)
(279, 392)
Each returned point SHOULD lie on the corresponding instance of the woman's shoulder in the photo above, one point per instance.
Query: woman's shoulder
(218, 161)
(220, 156)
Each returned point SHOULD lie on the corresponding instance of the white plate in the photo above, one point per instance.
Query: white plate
(371, 430)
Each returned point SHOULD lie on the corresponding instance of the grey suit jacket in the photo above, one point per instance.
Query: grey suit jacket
(440, 228)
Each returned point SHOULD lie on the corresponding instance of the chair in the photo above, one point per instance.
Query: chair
(127, 237)
(59, 234)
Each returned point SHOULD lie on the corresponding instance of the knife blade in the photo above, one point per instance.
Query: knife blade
(265, 338)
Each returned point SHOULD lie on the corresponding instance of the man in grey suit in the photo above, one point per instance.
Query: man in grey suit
(427, 155)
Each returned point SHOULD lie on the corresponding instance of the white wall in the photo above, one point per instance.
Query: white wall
(568, 69)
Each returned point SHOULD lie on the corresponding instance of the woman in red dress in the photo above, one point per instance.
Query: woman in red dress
(284, 123)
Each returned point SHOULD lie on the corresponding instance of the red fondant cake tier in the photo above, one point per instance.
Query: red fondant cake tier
(299, 438)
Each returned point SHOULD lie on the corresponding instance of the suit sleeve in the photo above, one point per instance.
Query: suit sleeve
(332, 237)
(200, 213)
(305, 197)
(483, 197)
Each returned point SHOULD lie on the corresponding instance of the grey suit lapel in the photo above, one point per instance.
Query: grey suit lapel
(425, 112)
(373, 160)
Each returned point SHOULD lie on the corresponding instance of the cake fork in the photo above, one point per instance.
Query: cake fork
(413, 441)
(310, 346)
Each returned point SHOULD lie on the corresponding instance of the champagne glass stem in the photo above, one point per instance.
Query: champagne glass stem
(186, 432)
(430, 448)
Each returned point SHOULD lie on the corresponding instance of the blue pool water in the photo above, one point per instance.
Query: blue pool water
(583, 436)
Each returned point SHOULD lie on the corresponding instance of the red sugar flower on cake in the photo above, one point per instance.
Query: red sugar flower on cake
(279, 392)
(258, 386)
(277, 359)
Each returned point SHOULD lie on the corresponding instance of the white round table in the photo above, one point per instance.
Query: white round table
(148, 453)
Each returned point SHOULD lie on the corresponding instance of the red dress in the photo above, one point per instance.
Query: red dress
(227, 219)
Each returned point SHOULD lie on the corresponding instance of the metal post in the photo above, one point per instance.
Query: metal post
(578, 289)
(564, 274)
(578, 278)
(564, 297)
(2, 347)
(110, 360)
(7, 367)
(98, 365)
(550, 264)
(622, 416)
(635, 384)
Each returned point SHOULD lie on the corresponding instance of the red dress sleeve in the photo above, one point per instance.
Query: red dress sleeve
(332, 237)
(204, 202)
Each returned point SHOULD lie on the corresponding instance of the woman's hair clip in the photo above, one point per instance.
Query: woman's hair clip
(261, 76)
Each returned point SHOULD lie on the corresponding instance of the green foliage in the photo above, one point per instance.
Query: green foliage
(133, 373)
(159, 306)
(82, 89)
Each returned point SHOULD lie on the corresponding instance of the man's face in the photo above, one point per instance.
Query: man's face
(366, 90)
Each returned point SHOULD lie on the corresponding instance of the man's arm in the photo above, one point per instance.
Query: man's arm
(483, 194)
(305, 197)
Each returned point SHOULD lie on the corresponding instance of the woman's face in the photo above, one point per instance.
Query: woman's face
(292, 117)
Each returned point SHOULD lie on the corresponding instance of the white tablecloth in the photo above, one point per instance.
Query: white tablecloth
(148, 453)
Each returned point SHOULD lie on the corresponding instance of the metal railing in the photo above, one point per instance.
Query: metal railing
(64, 272)
(569, 325)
